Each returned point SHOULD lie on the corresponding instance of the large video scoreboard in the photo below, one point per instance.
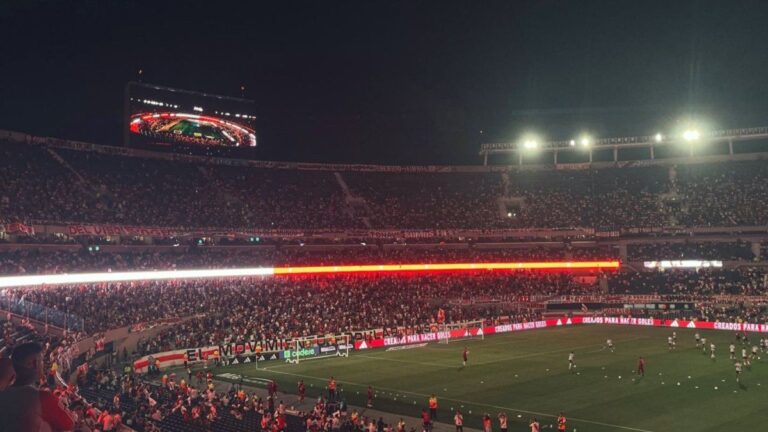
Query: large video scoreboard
(192, 122)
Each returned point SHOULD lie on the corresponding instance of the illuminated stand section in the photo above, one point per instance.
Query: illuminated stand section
(63, 279)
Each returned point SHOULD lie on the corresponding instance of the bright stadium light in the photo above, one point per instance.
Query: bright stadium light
(691, 135)
(659, 137)
(585, 140)
(530, 144)
(572, 143)
(79, 278)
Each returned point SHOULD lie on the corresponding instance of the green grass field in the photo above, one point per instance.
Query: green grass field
(526, 374)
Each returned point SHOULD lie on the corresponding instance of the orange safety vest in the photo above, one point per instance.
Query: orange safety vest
(433, 403)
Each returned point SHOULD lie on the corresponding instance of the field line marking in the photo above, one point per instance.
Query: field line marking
(458, 400)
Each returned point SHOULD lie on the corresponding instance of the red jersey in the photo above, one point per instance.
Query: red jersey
(535, 427)
(561, 423)
(425, 417)
(370, 394)
(641, 364)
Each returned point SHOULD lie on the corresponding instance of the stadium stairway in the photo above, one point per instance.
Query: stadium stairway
(356, 206)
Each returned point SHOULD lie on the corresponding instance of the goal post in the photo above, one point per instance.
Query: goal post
(462, 331)
(315, 348)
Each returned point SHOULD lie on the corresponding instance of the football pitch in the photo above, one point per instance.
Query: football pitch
(525, 374)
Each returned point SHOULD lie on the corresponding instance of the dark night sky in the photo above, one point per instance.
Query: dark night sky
(388, 81)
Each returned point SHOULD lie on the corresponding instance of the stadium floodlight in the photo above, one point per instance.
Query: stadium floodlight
(572, 143)
(691, 135)
(659, 137)
(585, 140)
(530, 144)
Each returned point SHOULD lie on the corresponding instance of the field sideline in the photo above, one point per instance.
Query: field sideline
(526, 375)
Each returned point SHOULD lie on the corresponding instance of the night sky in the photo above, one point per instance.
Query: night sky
(388, 81)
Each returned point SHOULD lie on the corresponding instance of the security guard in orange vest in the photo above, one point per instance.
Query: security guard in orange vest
(561, 423)
(433, 407)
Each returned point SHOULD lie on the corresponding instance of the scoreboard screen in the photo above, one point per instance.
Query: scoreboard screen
(163, 117)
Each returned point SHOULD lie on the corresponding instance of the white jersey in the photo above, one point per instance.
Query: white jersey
(744, 353)
(712, 347)
(738, 367)
(697, 336)
(732, 348)
(570, 357)
(609, 342)
(669, 340)
(674, 335)
(754, 349)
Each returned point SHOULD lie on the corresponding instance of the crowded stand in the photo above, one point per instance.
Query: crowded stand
(51, 185)
(48, 184)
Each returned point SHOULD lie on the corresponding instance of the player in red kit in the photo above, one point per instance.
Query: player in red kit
(465, 356)
(370, 397)
(535, 427)
(641, 366)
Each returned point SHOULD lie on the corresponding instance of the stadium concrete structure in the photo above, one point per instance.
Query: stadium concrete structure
(157, 261)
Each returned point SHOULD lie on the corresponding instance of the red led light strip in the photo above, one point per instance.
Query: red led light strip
(556, 265)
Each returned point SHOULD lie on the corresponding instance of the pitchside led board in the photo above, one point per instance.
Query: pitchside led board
(190, 122)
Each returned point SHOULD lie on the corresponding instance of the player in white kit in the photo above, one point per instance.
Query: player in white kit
(732, 351)
(571, 362)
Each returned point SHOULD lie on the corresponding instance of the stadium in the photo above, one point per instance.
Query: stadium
(180, 280)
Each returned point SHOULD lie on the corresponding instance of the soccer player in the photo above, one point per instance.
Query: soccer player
(302, 390)
(674, 336)
(332, 389)
(458, 420)
(698, 339)
(465, 356)
(535, 425)
(425, 420)
(486, 423)
(503, 422)
(561, 422)
(703, 345)
(737, 365)
(641, 366)
(754, 352)
(745, 357)
(370, 397)
(571, 362)
(732, 351)
(712, 351)
(670, 343)
(609, 344)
